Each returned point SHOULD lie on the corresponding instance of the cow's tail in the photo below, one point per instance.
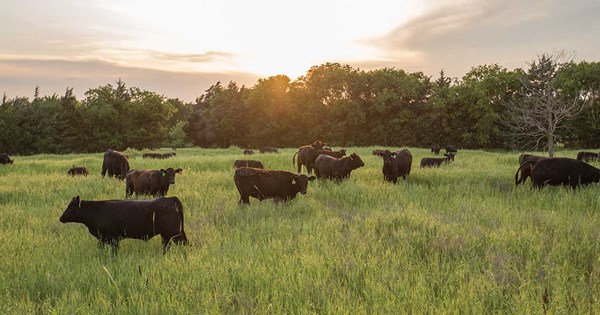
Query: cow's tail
(181, 238)
(294, 159)
(519, 169)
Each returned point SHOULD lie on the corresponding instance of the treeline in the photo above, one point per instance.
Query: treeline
(340, 104)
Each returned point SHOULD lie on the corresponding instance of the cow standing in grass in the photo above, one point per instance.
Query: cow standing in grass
(113, 220)
(561, 171)
(115, 163)
(269, 184)
(328, 167)
(150, 182)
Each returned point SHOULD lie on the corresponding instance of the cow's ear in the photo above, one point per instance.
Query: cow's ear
(311, 178)
(294, 180)
(163, 172)
(77, 200)
(178, 170)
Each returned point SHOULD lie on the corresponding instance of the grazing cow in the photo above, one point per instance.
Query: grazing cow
(328, 167)
(78, 171)
(436, 162)
(396, 164)
(248, 163)
(377, 152)
(160, 156)
(115, 163)
(150, 182)
(266, 184)
(587, 156)
(435, 149)
(268, 150)
(112, 220)
(5, 159)
(525, 169)
(561, 171)
(451, 149)
(307, 154)
(248, 152)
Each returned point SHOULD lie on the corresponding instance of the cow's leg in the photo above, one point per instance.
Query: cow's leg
(103, 170)
(244, 199)
(309, 169)
(299, 166)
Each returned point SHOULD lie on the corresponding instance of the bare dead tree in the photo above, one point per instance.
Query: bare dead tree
(538, 113)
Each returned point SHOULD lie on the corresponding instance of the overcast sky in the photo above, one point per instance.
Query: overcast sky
(179, 48)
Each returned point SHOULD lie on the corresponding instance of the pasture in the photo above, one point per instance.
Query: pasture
(457, 239)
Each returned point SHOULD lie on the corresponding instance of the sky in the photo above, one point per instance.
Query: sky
(180, 48)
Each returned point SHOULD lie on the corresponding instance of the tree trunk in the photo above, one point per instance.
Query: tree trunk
(550, 145)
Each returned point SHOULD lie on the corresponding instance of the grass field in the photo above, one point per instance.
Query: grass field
(458, 239)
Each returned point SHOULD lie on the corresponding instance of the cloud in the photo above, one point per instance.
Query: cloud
(19, 76)
(458, 36)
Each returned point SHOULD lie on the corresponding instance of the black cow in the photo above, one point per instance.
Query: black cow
(115, 163)
(561, 171)
(307, 154)
(248, 152)
(587, 156)
(328, 167)
(396, 164)
(435, 149)
(248, 163)
(525, 169)
(450, 149)
(5, 159)
(150, 182)
(160, 156)
(112, 220)
(436, 162)
(268, 150)
(266, 184)
(78, 171)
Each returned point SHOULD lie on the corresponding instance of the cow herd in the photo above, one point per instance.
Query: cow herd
(112, 220)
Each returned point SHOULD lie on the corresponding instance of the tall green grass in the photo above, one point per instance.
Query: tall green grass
(457, 239)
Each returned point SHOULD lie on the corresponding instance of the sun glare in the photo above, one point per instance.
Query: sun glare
(265, 38)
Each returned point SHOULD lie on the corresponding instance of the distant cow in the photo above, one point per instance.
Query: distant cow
(248, 163)
(248, 152)
(436, 162)
(78, 171)
(561, 171)
(587, 156)
(266, 184)
(115, 163)
(5, 159)
(378, 152)
(450, 149)
(396, 164)
(112, 220)
(160, 156)
(328, 167)
(435, 149)
(307, 154)
(150, 182)
(268, 150)
(525, 169)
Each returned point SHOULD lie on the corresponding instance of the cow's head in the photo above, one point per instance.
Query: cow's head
(169, 174)
(343, 152)
(301, 181)
(73, 211)
(355, 161)
(319, 145)
(387, 157)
